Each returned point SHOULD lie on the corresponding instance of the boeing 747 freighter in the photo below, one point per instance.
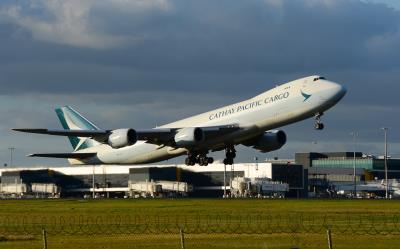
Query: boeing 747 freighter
(252, 122)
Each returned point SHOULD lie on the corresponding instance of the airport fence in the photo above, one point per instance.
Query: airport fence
(197, 231)
(246, 224)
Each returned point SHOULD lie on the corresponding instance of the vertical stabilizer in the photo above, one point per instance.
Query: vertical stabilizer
(72, 120)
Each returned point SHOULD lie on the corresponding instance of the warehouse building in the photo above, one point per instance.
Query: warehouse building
(148, 180)
(209, 181)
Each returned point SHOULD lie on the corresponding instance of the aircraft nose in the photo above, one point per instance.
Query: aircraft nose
(337, 91)
(340, 90)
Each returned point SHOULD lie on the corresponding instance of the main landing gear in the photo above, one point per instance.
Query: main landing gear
(230, 154)
(202, 159)
(318, 124)
(199, 158)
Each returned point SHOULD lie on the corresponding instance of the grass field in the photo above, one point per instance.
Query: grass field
(207, 223)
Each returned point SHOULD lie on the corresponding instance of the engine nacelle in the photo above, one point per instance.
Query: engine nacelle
(189, 136)
(269, 141)
(122, 137)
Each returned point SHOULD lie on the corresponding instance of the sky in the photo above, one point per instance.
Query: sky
(143, 63)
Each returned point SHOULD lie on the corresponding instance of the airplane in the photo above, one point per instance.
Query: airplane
(252, 122)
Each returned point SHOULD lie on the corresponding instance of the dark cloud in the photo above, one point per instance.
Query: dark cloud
(203, 54)
(195, 42)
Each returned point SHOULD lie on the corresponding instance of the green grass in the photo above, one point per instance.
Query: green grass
(208, 223)
(189, 206)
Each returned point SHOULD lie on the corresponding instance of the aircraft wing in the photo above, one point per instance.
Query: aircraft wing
(156, 136)
(162, 136)
(165, 136)
(65, 155)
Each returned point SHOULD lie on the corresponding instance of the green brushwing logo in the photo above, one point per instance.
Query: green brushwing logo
(305, 95)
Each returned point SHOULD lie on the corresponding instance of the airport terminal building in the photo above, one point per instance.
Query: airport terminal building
(335, 171)
(339, 164)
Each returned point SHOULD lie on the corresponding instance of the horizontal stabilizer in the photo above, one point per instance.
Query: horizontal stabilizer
(99, 135)
(65, 155)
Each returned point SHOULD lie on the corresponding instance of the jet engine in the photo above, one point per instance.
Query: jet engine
(269, 141)
(122, 137)
(189, 136)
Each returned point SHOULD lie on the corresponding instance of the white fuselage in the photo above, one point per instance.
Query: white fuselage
(285, 104)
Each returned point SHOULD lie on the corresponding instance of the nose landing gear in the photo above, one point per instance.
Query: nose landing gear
(318, 124)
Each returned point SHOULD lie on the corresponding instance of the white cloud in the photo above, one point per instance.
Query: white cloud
(310, 3)
(137, 5)
(328, 3)
(390, 3)
(274, 3)
(69, 22)
(382, 45)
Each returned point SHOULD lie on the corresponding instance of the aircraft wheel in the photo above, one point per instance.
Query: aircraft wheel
(231, 154)
(319, 126)
(228, 161)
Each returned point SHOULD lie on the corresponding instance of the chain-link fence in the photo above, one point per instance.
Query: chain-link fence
(296, 230)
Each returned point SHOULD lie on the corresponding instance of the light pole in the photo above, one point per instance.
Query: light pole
(224, 180)
(385, 130)
(354, 134)
(93, 183)
(256, 162)
(11, 155)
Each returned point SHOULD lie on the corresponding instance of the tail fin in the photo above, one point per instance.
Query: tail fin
(73, 120)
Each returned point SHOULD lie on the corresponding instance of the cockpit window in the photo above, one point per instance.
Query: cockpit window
(319, 78)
